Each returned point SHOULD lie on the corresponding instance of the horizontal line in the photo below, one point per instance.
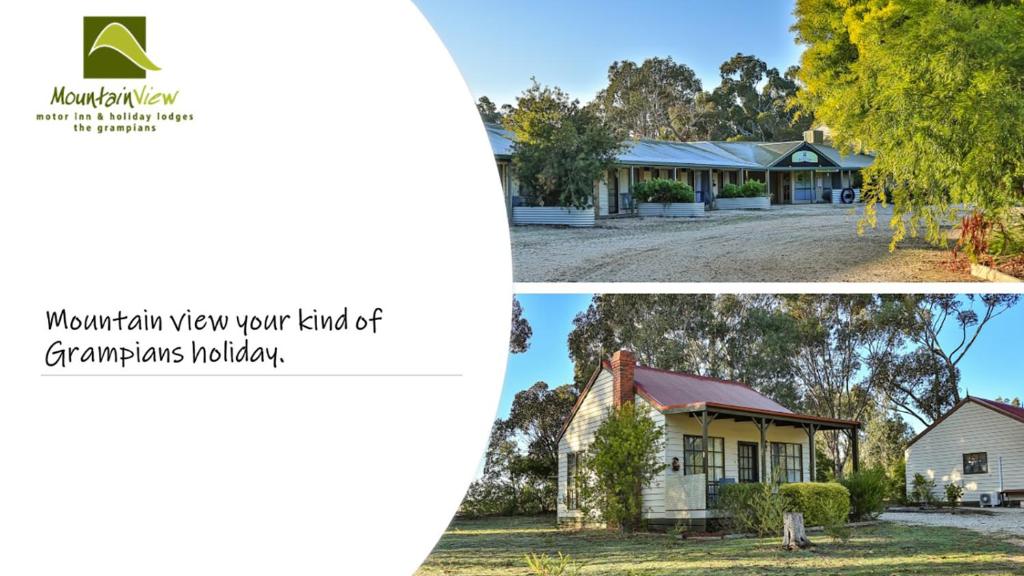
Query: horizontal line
(372, 375)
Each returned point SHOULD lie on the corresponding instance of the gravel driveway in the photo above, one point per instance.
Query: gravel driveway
(1001, 521)
(817, 243)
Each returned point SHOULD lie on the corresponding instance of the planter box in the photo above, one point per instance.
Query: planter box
(553, 215)
(837, 196)
(758, 203)
(990, 275)
(673, 210)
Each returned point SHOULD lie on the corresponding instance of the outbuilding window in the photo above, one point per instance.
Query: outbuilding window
(572, 478)
(976, 463)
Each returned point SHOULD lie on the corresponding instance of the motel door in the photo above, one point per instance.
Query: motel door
(613, 191)
(803, 187)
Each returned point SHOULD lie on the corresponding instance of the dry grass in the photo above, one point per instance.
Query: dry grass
(497, 547)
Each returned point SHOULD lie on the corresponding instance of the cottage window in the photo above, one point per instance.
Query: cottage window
(788, 462)
(572, 480)
(693, 456)
(976, 463)
(746, 457)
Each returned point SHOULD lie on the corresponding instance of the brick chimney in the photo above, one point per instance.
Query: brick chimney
(624, 388)
(814, 136)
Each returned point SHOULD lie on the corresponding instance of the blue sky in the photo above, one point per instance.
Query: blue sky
(570, 43)
(994, 366)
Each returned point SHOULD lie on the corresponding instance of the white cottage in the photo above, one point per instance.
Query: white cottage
(716, 431)
(978, 444)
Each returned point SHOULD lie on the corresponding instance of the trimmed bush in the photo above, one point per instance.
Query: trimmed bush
(749, 189)
(822, 504)
(756, 508)
(867, 493)
(662, 191)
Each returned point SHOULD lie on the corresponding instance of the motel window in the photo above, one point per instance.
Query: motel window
(858, 180)
(572, 481)
(788, 462)
(693, 456)
(976, 463)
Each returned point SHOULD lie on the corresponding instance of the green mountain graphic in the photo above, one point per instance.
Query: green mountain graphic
(116, 37)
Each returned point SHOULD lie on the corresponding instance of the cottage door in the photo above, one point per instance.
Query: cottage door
(747, 456)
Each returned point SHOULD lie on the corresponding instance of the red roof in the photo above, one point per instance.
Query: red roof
(1010, 410)
(669, 390)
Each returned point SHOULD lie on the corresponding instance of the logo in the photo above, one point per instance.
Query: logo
(805, 157)
(115, 47)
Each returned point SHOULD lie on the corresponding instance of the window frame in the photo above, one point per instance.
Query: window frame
(786, 459)
(697, 465)
(571, 481)
(983, 464)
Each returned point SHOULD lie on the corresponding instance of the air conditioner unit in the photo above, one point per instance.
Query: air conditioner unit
(989, 499)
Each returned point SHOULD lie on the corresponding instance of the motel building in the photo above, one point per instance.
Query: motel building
(808, 171)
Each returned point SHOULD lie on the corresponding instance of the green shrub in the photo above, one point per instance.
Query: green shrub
(544, 565)
(867, 493)
(922, 489)
(624, 457)
(749, 189)
(730, 191)
(663, 191)
(835, 522)
(954, 492)
(756, 508)
(754, 188)
(897, 482)
(822, 504)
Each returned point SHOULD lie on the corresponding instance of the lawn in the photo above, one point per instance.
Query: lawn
(496, 547)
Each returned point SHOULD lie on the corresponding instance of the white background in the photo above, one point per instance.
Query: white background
(335, 160)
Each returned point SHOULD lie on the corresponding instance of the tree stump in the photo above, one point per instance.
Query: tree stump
(794, 537)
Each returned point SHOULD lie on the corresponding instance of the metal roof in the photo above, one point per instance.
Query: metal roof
(677, 389)
(728, 155)
(501, 140)
(682, 154)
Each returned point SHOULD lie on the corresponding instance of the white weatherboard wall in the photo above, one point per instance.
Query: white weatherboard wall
(654, 493)
(938, 455)
(580, 433)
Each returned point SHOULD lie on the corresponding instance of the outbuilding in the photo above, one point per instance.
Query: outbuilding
(978, 444)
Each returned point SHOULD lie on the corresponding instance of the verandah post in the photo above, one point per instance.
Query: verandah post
(855, 449)
(705, 422)
(762, 426)
(811, 430)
